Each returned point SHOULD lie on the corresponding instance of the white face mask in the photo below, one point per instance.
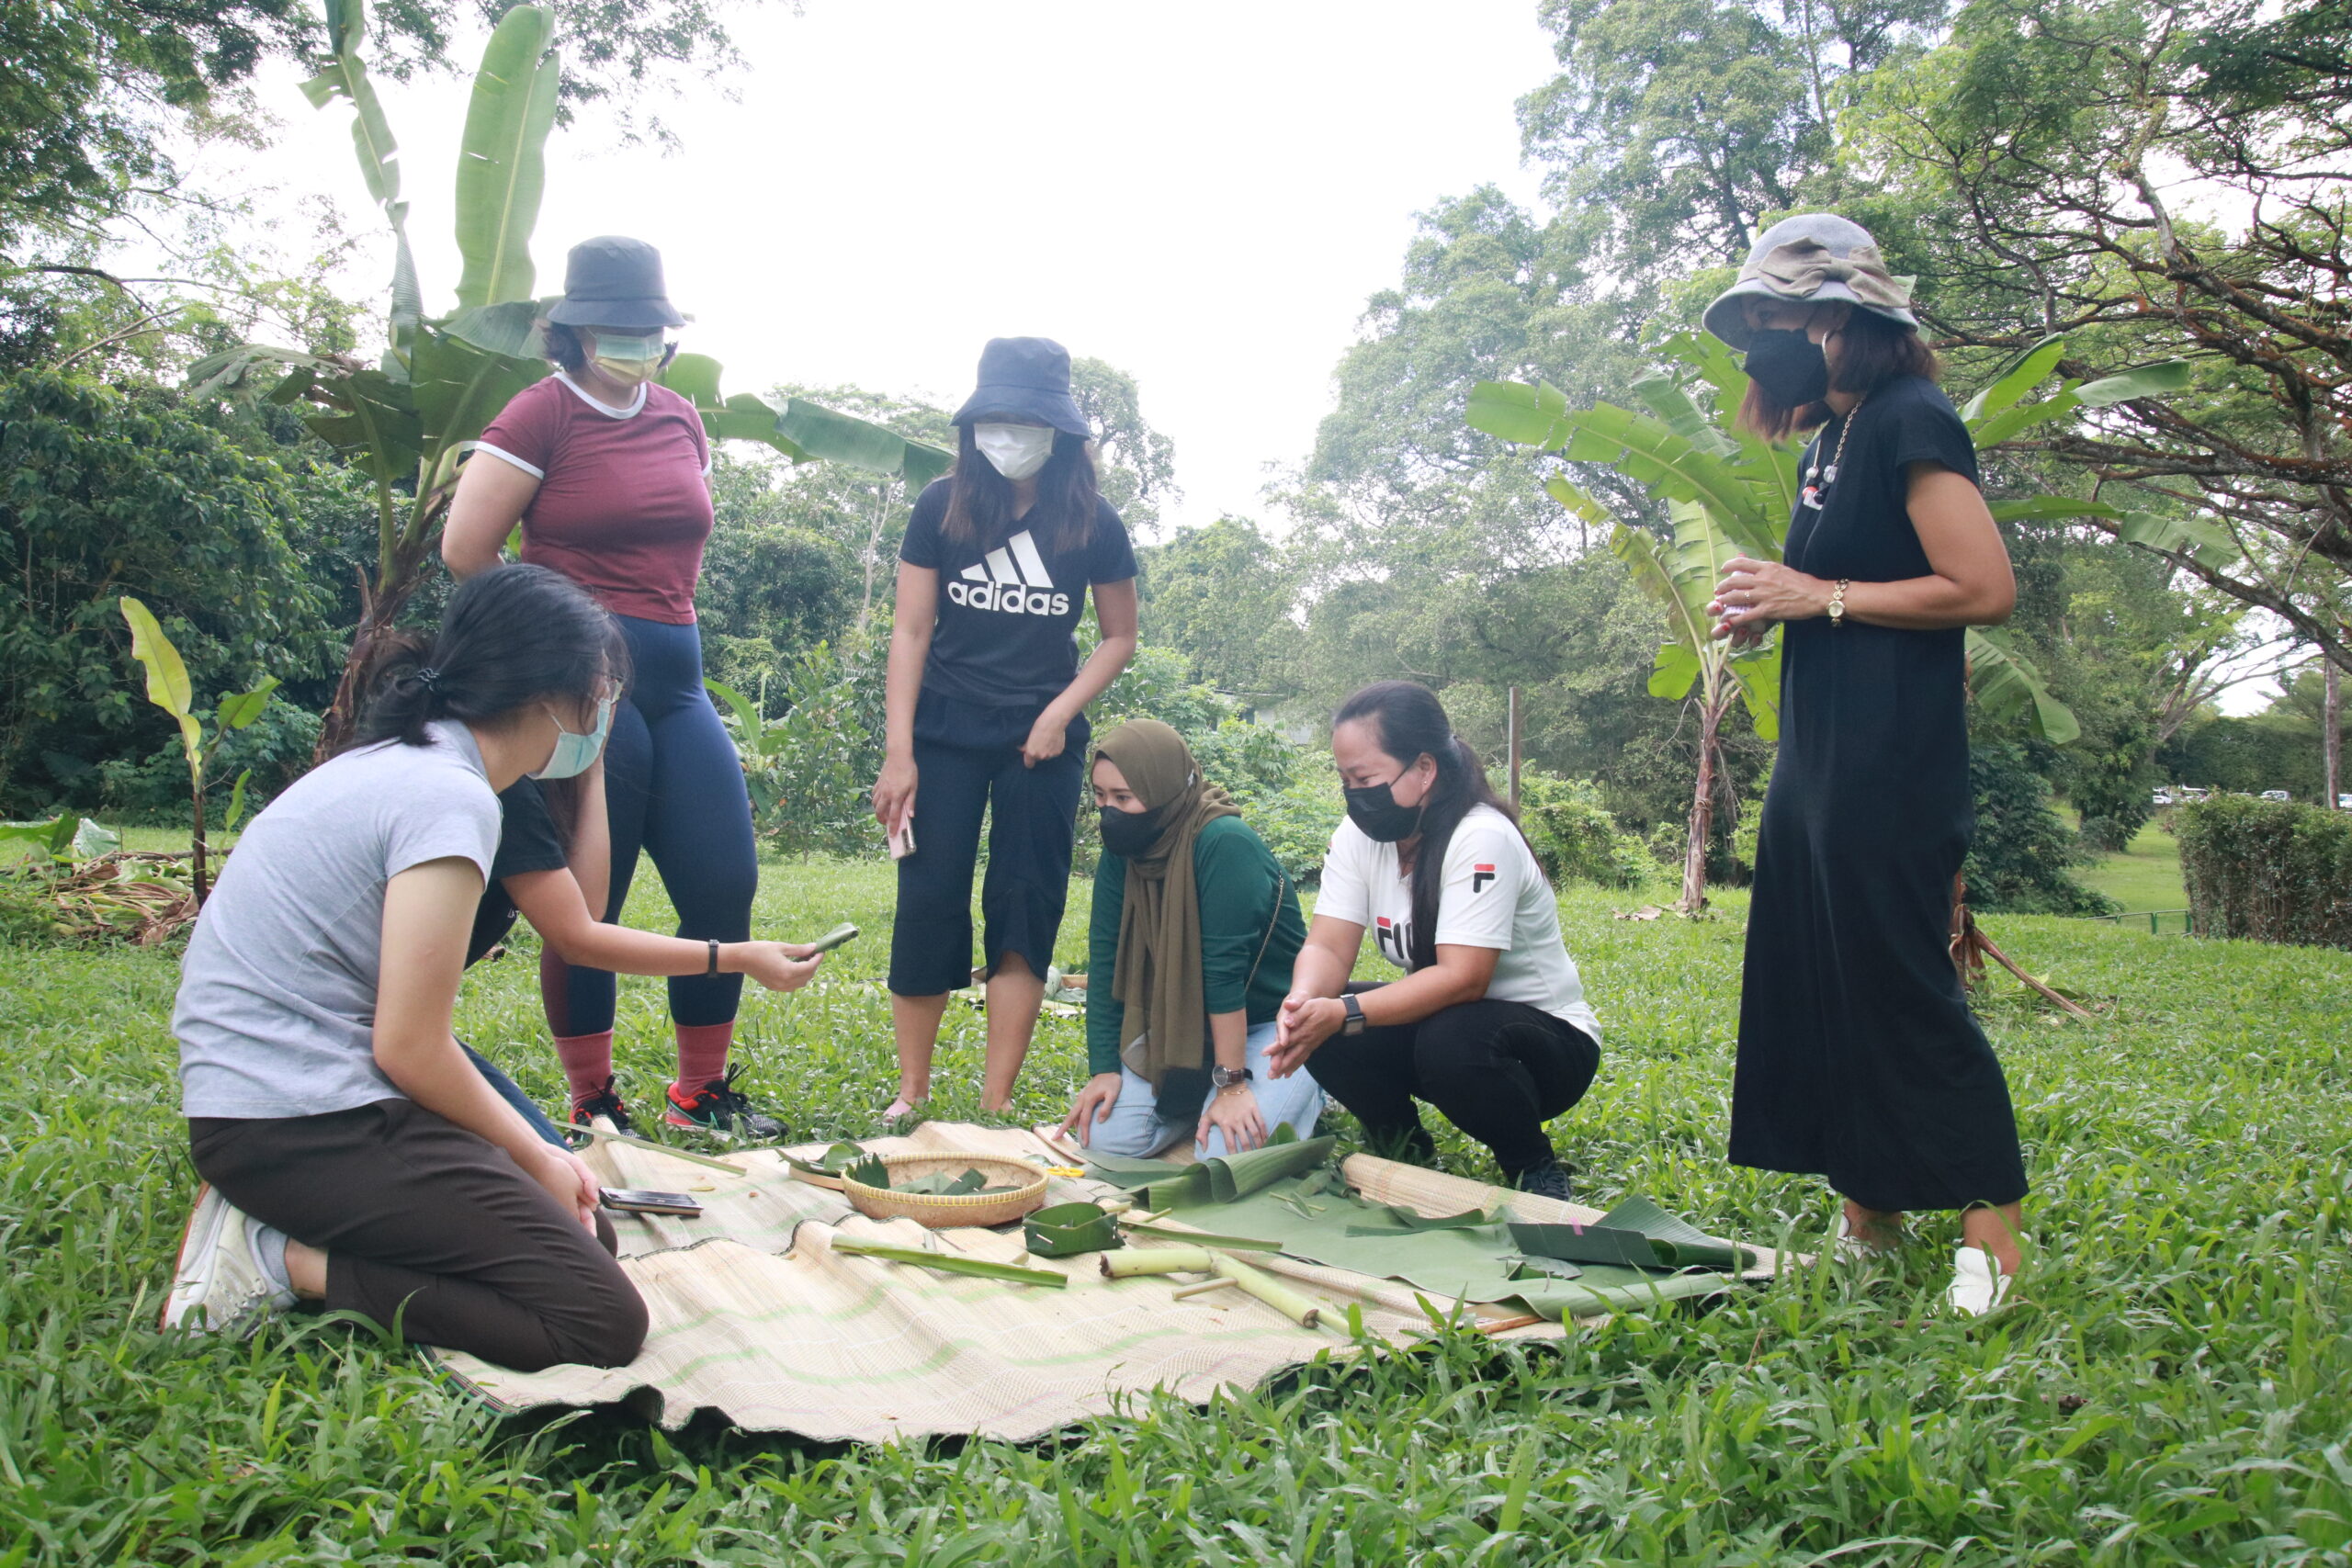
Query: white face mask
(1016, 451)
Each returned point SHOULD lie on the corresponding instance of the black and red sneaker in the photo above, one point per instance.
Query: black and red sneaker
(720, 1107)
(605, 1102)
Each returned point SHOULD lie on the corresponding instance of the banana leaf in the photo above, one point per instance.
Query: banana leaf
(1203, 1238)
(1064, 1230)
(501, 160)
(2007, 685)
(1586, 1244)
(1679, 1242)
(1229, 1178)
(1407, 1220)
(1125, 1170)
(978, 1267)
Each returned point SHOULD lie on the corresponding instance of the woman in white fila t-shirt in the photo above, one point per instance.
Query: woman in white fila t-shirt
(1490, 1023)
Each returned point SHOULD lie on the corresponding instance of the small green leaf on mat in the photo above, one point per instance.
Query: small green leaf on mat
(869, 1172)
(1064, 1230)
(1201, 1239)
(979, 1268)
(832, 1162)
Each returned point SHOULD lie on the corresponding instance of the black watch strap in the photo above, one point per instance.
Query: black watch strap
(714, 957)
(1355, 1009)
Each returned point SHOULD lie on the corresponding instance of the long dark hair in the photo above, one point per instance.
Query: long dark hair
(980, 500)
(513, 635)
(1872, 351)
(1411, 722)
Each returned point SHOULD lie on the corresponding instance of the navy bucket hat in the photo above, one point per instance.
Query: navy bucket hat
(1025, 381)
(1811, 257)
(615, 281)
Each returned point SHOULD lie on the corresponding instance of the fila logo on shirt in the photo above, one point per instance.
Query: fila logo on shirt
(1479, 876)
(1395, 940)
(1013, 581)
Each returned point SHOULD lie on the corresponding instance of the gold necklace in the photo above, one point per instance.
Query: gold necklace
(1816, 495)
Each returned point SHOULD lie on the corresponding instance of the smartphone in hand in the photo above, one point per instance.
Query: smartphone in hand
(638, 1201)
(902, 840)
(834, 937)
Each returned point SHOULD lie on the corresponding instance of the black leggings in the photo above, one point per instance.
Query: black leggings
(427, 1226)
(1497, 1070)
(673, 788)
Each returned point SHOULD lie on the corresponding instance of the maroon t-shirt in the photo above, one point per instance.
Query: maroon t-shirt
(623, 507)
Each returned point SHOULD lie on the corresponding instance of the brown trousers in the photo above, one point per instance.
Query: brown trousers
(430, 1228)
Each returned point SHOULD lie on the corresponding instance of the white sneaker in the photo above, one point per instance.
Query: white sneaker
(1977, 1283)
(1845, 1245)
(219, 1286)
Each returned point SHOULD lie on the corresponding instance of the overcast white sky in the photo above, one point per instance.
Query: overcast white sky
(1204, 194)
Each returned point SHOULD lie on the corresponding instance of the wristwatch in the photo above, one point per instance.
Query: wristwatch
(1355, 1009)
(1837, 602)
(1225, 1077)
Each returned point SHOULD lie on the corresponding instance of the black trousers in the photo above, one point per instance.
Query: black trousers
(427, 1225)
(967, 764)
(1497, 1071)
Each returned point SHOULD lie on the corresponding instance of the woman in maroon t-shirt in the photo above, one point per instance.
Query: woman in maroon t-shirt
(608, 475)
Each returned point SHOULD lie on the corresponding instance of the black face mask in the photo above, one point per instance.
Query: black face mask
(1374, 809)
(1130, 833)
(1789, 366)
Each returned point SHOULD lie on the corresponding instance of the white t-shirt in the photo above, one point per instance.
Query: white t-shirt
(1494, 896)
(277, 1005)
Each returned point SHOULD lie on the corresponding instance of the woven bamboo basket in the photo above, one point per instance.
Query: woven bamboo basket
(944, 1212)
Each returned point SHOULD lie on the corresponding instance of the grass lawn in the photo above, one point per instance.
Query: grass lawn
(2172, 1389)
(2146, 875)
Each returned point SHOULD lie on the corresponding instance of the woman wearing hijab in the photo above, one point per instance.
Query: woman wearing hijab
(607, 476)
(987, 704)
(1194, 929)
(1857, 1058)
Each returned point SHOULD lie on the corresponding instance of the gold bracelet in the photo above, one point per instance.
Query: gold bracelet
(1837, 602)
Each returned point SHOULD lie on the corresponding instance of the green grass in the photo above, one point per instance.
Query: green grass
(2172, 1388)
(2146, 875)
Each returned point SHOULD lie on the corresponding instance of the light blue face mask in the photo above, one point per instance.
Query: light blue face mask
(576, 754)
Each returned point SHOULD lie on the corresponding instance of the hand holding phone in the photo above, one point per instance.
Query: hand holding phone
(902, 838)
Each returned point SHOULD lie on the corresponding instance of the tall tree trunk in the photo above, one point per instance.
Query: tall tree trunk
(2330, 731)
(381, 604)
(195, 844)
(1703, 801)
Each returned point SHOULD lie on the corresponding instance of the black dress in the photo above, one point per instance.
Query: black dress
(1858, 1057)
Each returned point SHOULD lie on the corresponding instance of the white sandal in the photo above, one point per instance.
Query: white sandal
(1977, 1283)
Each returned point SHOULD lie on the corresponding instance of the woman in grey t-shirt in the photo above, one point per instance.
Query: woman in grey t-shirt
(352, 1154)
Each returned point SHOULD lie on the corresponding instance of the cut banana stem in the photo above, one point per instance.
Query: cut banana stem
(1271, 1292)
(1130, 1262)
(1183, 1293)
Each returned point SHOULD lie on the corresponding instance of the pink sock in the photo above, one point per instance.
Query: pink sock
(587, 1063)
(702, 1054)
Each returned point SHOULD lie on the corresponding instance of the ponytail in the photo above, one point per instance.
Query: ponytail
(1412, 724)
(512, 635)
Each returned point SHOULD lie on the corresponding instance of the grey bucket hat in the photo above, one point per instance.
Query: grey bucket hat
(1811, 257)
(1027, 379)
(615, 281)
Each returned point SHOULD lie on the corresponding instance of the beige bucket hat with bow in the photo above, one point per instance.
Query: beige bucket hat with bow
(1811, 257)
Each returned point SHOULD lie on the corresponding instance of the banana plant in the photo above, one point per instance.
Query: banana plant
(406, 420)
(1730, 493)
(168, 688)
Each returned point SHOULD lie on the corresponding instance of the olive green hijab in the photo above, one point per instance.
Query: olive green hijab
(1158, 962)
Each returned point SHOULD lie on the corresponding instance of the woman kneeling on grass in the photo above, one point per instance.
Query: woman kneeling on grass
(1490, 1023)
(353, 1155)
(1194, 927)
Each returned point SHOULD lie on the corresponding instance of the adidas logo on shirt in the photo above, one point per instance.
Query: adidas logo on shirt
(1014, 581)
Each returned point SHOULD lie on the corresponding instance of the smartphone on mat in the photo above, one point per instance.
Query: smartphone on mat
(834, 937)
(638, 1201)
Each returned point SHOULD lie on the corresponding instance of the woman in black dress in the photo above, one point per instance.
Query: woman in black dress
(1858, 1057)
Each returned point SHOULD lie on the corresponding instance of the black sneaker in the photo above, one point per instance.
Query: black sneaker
(1549, 1180)
(605, 1103)
(720, 1107)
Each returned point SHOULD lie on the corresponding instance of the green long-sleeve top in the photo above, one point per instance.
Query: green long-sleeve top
(1238, 879)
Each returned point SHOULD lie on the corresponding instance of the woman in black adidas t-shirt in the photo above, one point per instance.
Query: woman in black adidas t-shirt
(987, 704)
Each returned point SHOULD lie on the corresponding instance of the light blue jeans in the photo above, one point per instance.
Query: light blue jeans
(1133, 1127)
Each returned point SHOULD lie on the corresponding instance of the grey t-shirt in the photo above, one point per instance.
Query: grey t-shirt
(277, 1006)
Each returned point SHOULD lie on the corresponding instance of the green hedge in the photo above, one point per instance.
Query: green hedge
(2267, 870)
